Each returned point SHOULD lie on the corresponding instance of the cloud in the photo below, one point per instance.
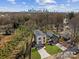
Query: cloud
(2, 9)
(69, 1)
(58, 8)
(6, 9)
(68, 5)
(51, 5)
(24, 3)
(45, 2)
(75, 0)
(12, 1)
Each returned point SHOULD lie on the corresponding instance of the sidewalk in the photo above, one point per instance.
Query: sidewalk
(61, 47)
(43, 53)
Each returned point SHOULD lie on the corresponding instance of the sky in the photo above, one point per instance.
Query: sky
(50, 5)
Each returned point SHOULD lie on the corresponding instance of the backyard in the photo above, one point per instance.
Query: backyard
(52, 49)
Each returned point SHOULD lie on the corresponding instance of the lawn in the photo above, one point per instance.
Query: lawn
(35, 54)
(52, 49)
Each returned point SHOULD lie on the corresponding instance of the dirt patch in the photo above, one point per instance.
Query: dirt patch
(75, 57)
(4, 40)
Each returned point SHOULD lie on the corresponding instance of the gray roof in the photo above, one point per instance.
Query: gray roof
(49, 34)
(38, 33)
(66, 34)
(52, 35)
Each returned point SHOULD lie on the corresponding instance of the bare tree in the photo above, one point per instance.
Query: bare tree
(74, 23)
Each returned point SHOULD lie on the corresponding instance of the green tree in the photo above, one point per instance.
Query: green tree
(71, 15)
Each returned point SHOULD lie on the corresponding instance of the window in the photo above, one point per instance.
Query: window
(39, 38)
(43, 37)
(43, 40)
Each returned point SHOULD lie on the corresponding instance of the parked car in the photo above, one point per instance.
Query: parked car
(50, 42)
(76, 52)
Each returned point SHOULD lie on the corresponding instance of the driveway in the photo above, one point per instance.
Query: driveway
(61, 47)
(43, 53)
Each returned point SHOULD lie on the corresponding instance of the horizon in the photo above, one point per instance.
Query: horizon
(50, 5)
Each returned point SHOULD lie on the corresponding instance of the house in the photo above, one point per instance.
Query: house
(66, 35)
(54, 38)
(65, 21)
(40, 37)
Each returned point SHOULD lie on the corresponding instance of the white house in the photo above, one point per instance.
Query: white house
(40, 37)
(65, 21)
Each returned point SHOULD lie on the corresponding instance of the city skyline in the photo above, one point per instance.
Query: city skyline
(50, 5)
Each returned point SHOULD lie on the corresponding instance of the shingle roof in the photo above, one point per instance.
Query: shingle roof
(38, 33)
(51, 35)
(65, 34)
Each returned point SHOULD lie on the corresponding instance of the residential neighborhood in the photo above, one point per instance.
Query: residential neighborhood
(63, 41)
(39, 29)
(35, 40)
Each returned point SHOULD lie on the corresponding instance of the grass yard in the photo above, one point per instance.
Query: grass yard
(52, 49)
(35, 54)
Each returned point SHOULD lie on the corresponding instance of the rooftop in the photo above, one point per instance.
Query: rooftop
(38, 33)
(52, 35)
(65, 34)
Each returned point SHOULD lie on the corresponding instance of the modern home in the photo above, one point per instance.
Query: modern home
(40, 37)
(52, 38)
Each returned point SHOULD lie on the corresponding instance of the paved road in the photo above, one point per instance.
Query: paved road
(64, 55)
(43, 53)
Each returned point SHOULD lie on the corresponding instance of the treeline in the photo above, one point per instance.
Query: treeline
(10, 22)
(42, 21)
